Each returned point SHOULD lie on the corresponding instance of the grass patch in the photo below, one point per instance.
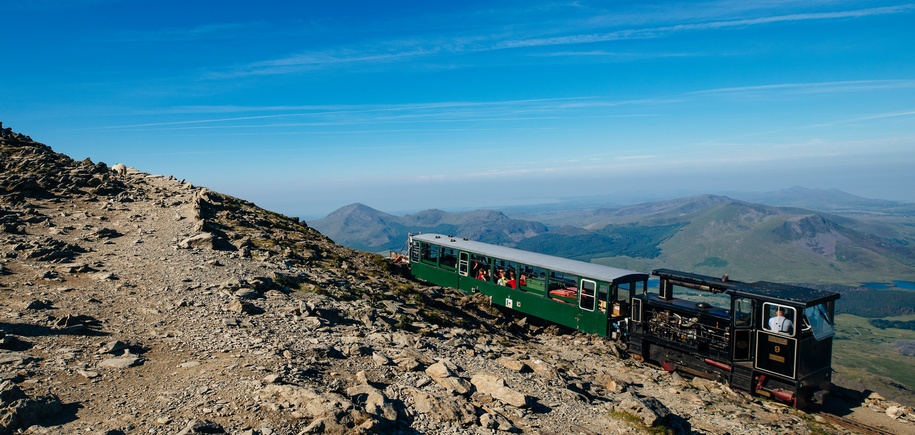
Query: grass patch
(861, 351)
(636, 423)
(815, 427)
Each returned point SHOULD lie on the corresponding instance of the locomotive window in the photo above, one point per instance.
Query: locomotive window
(743, 312)
(430, 253)
(449, 258)
(586, 296)
(779, 318)
(818, 319)
(624, 291)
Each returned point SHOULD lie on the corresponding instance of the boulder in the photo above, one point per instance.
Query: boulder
(648, 409)
(453, 409)
(199, 241)
(305, 402)
(373, 401)
(121, 363)
(444, 376)
(495, 387)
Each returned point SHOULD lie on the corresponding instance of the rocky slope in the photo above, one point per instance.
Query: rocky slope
(137, 303)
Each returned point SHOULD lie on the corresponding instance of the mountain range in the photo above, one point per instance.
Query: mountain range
(837, 238)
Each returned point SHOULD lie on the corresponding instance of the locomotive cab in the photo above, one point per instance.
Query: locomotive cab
(769, 339)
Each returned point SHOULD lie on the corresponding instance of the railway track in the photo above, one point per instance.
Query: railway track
(856, 426)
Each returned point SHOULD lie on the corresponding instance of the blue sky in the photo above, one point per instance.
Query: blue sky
(303, 107)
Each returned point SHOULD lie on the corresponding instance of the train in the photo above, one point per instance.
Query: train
(768, 339)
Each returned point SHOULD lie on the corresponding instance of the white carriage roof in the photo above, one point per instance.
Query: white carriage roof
(558, 264)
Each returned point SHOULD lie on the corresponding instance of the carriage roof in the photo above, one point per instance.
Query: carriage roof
(557, 264)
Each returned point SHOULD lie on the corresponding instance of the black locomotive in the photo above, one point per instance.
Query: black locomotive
(773, 340)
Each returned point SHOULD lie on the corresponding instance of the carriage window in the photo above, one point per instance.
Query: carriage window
(505, 273)
(559, 281)
(779, 318)
(743, 312)
(479, 267)
(603, 292)
(532, 278)
(414, 252)
(463, 264)
(449, 258)
(430, 253)
(586, 297)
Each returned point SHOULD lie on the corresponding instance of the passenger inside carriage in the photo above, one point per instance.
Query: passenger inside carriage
(511, 279)
(500, 277)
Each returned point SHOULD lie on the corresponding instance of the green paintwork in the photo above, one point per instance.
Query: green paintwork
(529, 302)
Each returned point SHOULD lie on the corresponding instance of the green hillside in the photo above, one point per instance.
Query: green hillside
(707, 234)
(755, 242)
(864, 356)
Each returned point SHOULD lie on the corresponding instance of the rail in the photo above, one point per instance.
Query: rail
(854, 425)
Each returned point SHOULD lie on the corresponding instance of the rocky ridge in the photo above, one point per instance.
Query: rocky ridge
(138, 303)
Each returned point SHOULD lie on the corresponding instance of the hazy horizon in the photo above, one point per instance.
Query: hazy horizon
(303, 107)
(584, 202)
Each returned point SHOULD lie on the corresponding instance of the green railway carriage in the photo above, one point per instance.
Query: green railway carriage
(589, 297)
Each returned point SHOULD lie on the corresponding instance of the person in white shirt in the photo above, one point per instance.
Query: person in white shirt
(780, 323)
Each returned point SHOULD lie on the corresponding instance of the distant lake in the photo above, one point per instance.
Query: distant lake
(896, 285)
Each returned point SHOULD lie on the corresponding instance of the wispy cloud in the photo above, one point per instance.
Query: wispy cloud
(53, 5)
(857, 119)
(813, 88)
(208, 31)
(394, 114)
(656, 32)
(425, 46)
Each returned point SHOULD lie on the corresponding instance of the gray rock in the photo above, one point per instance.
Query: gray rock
(381, 359)
(121, 363)
(496, 421)
(651, 411)
(201, 427)
(495, 387)
(453, 409)
(199, 241)
(305, 402)
(373, 401)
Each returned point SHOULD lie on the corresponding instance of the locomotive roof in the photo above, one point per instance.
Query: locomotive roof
(766, 290)
(558, 264)
(785, 292)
